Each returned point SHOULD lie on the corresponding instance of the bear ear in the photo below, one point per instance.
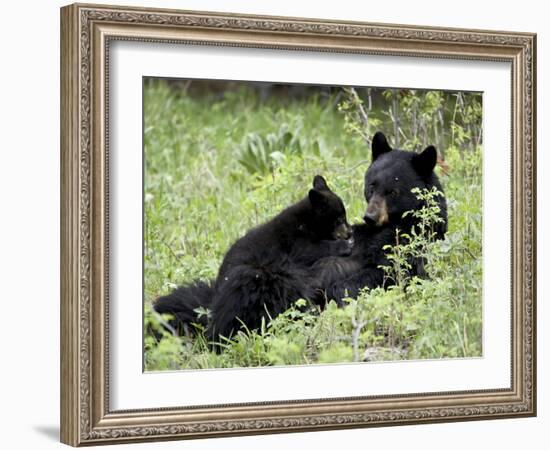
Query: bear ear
(379, 145)
(320, 183)
(317, 199)
(424, 162)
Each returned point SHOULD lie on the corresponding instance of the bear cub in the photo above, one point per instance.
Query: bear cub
(267, 269)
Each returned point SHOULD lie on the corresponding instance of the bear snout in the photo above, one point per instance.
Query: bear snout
(343, 232)
(377, 212)
(370, 217)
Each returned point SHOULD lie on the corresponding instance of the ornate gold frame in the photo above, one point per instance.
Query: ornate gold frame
(86, 31)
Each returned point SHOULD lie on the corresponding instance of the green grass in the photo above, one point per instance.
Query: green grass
(220, 163)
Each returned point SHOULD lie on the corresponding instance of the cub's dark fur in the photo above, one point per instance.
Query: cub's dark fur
(388, 184)
(267, 269)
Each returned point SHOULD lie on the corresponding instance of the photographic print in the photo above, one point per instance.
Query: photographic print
(334, 219)
(295, 224)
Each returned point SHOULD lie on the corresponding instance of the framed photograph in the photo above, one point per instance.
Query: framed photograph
(277, 225)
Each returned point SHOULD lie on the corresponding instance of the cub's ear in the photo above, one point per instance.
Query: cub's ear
(424, 162)
(320, 183)
(317, 199)
(379, 145)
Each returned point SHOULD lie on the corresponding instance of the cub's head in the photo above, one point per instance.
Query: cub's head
(391, 177)
(328, 219)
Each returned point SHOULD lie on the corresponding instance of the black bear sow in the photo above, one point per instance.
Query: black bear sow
(389, 184)
(266, 270)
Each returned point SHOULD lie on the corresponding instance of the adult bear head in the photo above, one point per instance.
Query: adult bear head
(390, 179)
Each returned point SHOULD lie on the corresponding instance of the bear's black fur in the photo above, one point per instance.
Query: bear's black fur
(388, 184)
(266, 270)
(183, 302)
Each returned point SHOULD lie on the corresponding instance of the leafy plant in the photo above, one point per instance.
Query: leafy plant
(418, 243)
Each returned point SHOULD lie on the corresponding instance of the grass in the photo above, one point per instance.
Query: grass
(218, 163)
